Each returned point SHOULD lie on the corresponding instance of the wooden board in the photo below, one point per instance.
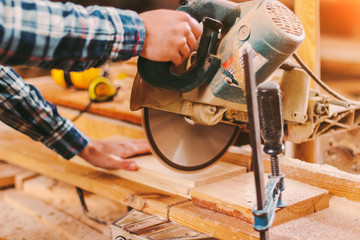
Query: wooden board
(153, 173)
(236, 197)
(69, 227)
(63, 196)
(8, 173)
(119, 108)
(337, 182)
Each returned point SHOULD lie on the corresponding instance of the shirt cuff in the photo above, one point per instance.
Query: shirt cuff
(67, 141)
(129, 40)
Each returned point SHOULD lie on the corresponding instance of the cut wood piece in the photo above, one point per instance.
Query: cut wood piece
(8, 173)
(48, 215)
(337, 182)
(22, 177)
(153, 173)
(64, 197)
(236, 197)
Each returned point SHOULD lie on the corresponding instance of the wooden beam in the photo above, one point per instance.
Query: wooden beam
(63, 196)
(8, 173)
(69, 227)
(213, 223)
(155, 174)
(337, 182)
(119, 108)
(308, 13)
(238, 198)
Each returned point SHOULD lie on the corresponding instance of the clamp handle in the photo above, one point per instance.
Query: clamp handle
(203, 68)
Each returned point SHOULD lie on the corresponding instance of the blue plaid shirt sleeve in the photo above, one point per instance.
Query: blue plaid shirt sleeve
(55, 35)
(23, 108)
(67, 36)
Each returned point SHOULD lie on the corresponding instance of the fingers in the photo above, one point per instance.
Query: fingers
(129, 165)
(140, 147)
(196, 27)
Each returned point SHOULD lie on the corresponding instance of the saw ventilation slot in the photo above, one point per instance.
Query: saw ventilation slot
(284, 18)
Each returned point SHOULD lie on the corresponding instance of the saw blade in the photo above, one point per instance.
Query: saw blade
(183, 145)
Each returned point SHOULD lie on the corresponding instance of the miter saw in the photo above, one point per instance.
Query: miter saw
(192, 113)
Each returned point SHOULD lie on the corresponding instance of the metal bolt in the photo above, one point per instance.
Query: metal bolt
(319, 108)
(228, 80)
(244, 33)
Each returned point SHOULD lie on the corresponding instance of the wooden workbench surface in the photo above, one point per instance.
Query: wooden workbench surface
(73, 98)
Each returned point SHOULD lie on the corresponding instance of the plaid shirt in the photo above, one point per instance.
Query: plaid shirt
(55, 35)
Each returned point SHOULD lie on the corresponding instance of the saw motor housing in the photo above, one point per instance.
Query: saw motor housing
(268, 28)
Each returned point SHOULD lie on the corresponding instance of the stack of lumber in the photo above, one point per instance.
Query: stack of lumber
(216, 201)
(39, 207)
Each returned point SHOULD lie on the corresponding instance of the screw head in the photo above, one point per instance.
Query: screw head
(244, 33)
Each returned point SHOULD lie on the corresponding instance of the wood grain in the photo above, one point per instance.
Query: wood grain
(50, 216)
(236, 197)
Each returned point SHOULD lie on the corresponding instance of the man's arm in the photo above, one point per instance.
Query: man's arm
(23, 108)
(71, 37)
(66, 36)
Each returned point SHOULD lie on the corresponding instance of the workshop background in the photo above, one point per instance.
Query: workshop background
(44, 204)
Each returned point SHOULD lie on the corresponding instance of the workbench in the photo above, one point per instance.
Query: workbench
(216, 201)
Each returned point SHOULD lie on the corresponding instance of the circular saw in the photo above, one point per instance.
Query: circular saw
(192, 115)
(183, 144)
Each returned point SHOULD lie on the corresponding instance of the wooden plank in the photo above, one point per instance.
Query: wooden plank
(22, 177)
(98, 127)
(119, 108)
(48, 215)
(155, 174)
(17, 225)
(337, 182)
(105, 184)
(8, 173)
(63, 196)
(129, 193)
(213, 223)
(238, 198)
(309, 15)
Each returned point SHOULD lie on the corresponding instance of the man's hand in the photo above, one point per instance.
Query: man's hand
(112, 154)
(170, 35)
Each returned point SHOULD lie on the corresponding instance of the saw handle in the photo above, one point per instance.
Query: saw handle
(202, 69)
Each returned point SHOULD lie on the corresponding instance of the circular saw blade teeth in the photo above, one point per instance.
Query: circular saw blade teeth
(183, 145)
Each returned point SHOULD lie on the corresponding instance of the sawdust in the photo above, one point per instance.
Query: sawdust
(340, 221)
(15, 225)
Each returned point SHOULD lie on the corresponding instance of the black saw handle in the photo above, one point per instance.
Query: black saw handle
(202, 69)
